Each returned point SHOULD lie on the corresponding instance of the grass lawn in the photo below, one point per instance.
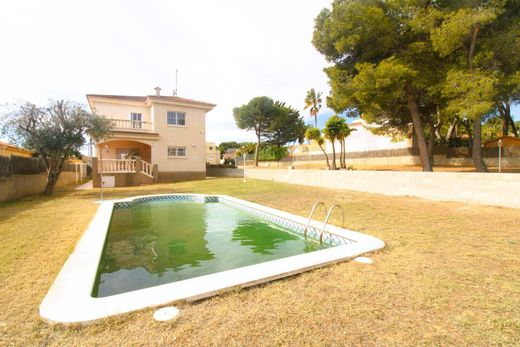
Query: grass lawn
(450, 275)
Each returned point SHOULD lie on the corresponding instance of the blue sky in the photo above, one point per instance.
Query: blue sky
(226, 53)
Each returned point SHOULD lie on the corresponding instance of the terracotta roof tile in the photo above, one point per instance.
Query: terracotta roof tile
(120, 97)
(153, 97)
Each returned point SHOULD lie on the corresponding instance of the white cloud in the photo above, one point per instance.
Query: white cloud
(227, 52)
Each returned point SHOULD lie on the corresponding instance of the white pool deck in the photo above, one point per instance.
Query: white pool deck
(69, 299)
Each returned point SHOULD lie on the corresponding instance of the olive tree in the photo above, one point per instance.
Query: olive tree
(55, 132)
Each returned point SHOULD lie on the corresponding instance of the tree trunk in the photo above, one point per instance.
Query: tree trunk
(508, 115)
(418, 128)
(333, 166)
(438, 131)
(341, 161)
(505, 126)
(476, 152)
(326, 156)
(505, 120)
(452, 130)
(257, 149)
(344, 154)
(431, 142)
(53, 175)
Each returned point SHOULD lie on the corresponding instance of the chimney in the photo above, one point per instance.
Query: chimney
(157, 91)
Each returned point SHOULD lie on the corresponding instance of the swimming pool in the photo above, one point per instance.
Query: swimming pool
(151, 250)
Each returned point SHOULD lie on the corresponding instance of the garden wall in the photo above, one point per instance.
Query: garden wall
(19, 186)
(222, 172)
(481, 188)
(444, 156)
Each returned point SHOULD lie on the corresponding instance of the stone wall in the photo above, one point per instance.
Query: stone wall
(222, 172)
(480, 188)
(19, 186)
(444, 156)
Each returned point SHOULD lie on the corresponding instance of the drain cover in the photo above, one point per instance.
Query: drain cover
(364, 260)
(165, 313)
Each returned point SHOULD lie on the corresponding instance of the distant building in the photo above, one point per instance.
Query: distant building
(212, 153)
(230, 154)
(361, 139)
(7, 150)
(507, 141)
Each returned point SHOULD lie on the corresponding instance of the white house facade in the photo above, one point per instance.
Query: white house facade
(154, 138)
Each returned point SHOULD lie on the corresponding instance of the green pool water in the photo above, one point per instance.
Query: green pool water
(152, 244)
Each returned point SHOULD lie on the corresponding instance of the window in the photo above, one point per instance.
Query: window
(210, 148)
(176, 118)
(136, 120)
(176, 152)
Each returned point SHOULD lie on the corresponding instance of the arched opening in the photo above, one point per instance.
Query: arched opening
(124, 149)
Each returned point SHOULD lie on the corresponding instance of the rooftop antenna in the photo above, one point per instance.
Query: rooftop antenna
(175, 90)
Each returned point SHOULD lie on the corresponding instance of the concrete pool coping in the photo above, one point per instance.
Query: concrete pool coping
(69, 299)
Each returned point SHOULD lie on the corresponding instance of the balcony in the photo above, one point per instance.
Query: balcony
(132, 125)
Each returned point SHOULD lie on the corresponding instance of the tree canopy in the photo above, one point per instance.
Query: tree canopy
(224, 146)
(55, 132)
(314, 134)
(286, 126)
(420, 62)
(272, 121)
(313, 103)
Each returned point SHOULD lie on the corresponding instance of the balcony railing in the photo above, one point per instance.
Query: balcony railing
(116, 165)
(132, 125)
(124, 166)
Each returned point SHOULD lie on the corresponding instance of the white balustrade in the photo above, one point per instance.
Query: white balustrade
(116, 165)
(147, 168)
(132, 124)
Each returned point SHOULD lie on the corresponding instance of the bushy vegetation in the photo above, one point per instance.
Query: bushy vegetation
(272, 153)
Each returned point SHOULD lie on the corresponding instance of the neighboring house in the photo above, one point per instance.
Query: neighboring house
(230, 154)
(212, 153)
(6, 150)
(361, 139)
(155, 138)
(507, 141)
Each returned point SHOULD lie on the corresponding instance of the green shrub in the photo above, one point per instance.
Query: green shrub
(272, 153)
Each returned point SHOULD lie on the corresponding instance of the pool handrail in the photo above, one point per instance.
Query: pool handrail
(310, 216)
(327, 219)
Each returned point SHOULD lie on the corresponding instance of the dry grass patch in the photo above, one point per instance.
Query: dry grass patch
(448, 276)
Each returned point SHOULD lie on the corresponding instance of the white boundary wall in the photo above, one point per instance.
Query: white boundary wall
(480, 188)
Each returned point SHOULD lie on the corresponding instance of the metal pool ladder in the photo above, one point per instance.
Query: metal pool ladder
(310, 216)
(326, 218)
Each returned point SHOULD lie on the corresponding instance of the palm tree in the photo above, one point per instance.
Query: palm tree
(315, 134)
(313, 100)
(343, 134)
(333, 130)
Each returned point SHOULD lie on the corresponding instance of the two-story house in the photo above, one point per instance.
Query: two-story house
(212, 153)
(154, 138)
